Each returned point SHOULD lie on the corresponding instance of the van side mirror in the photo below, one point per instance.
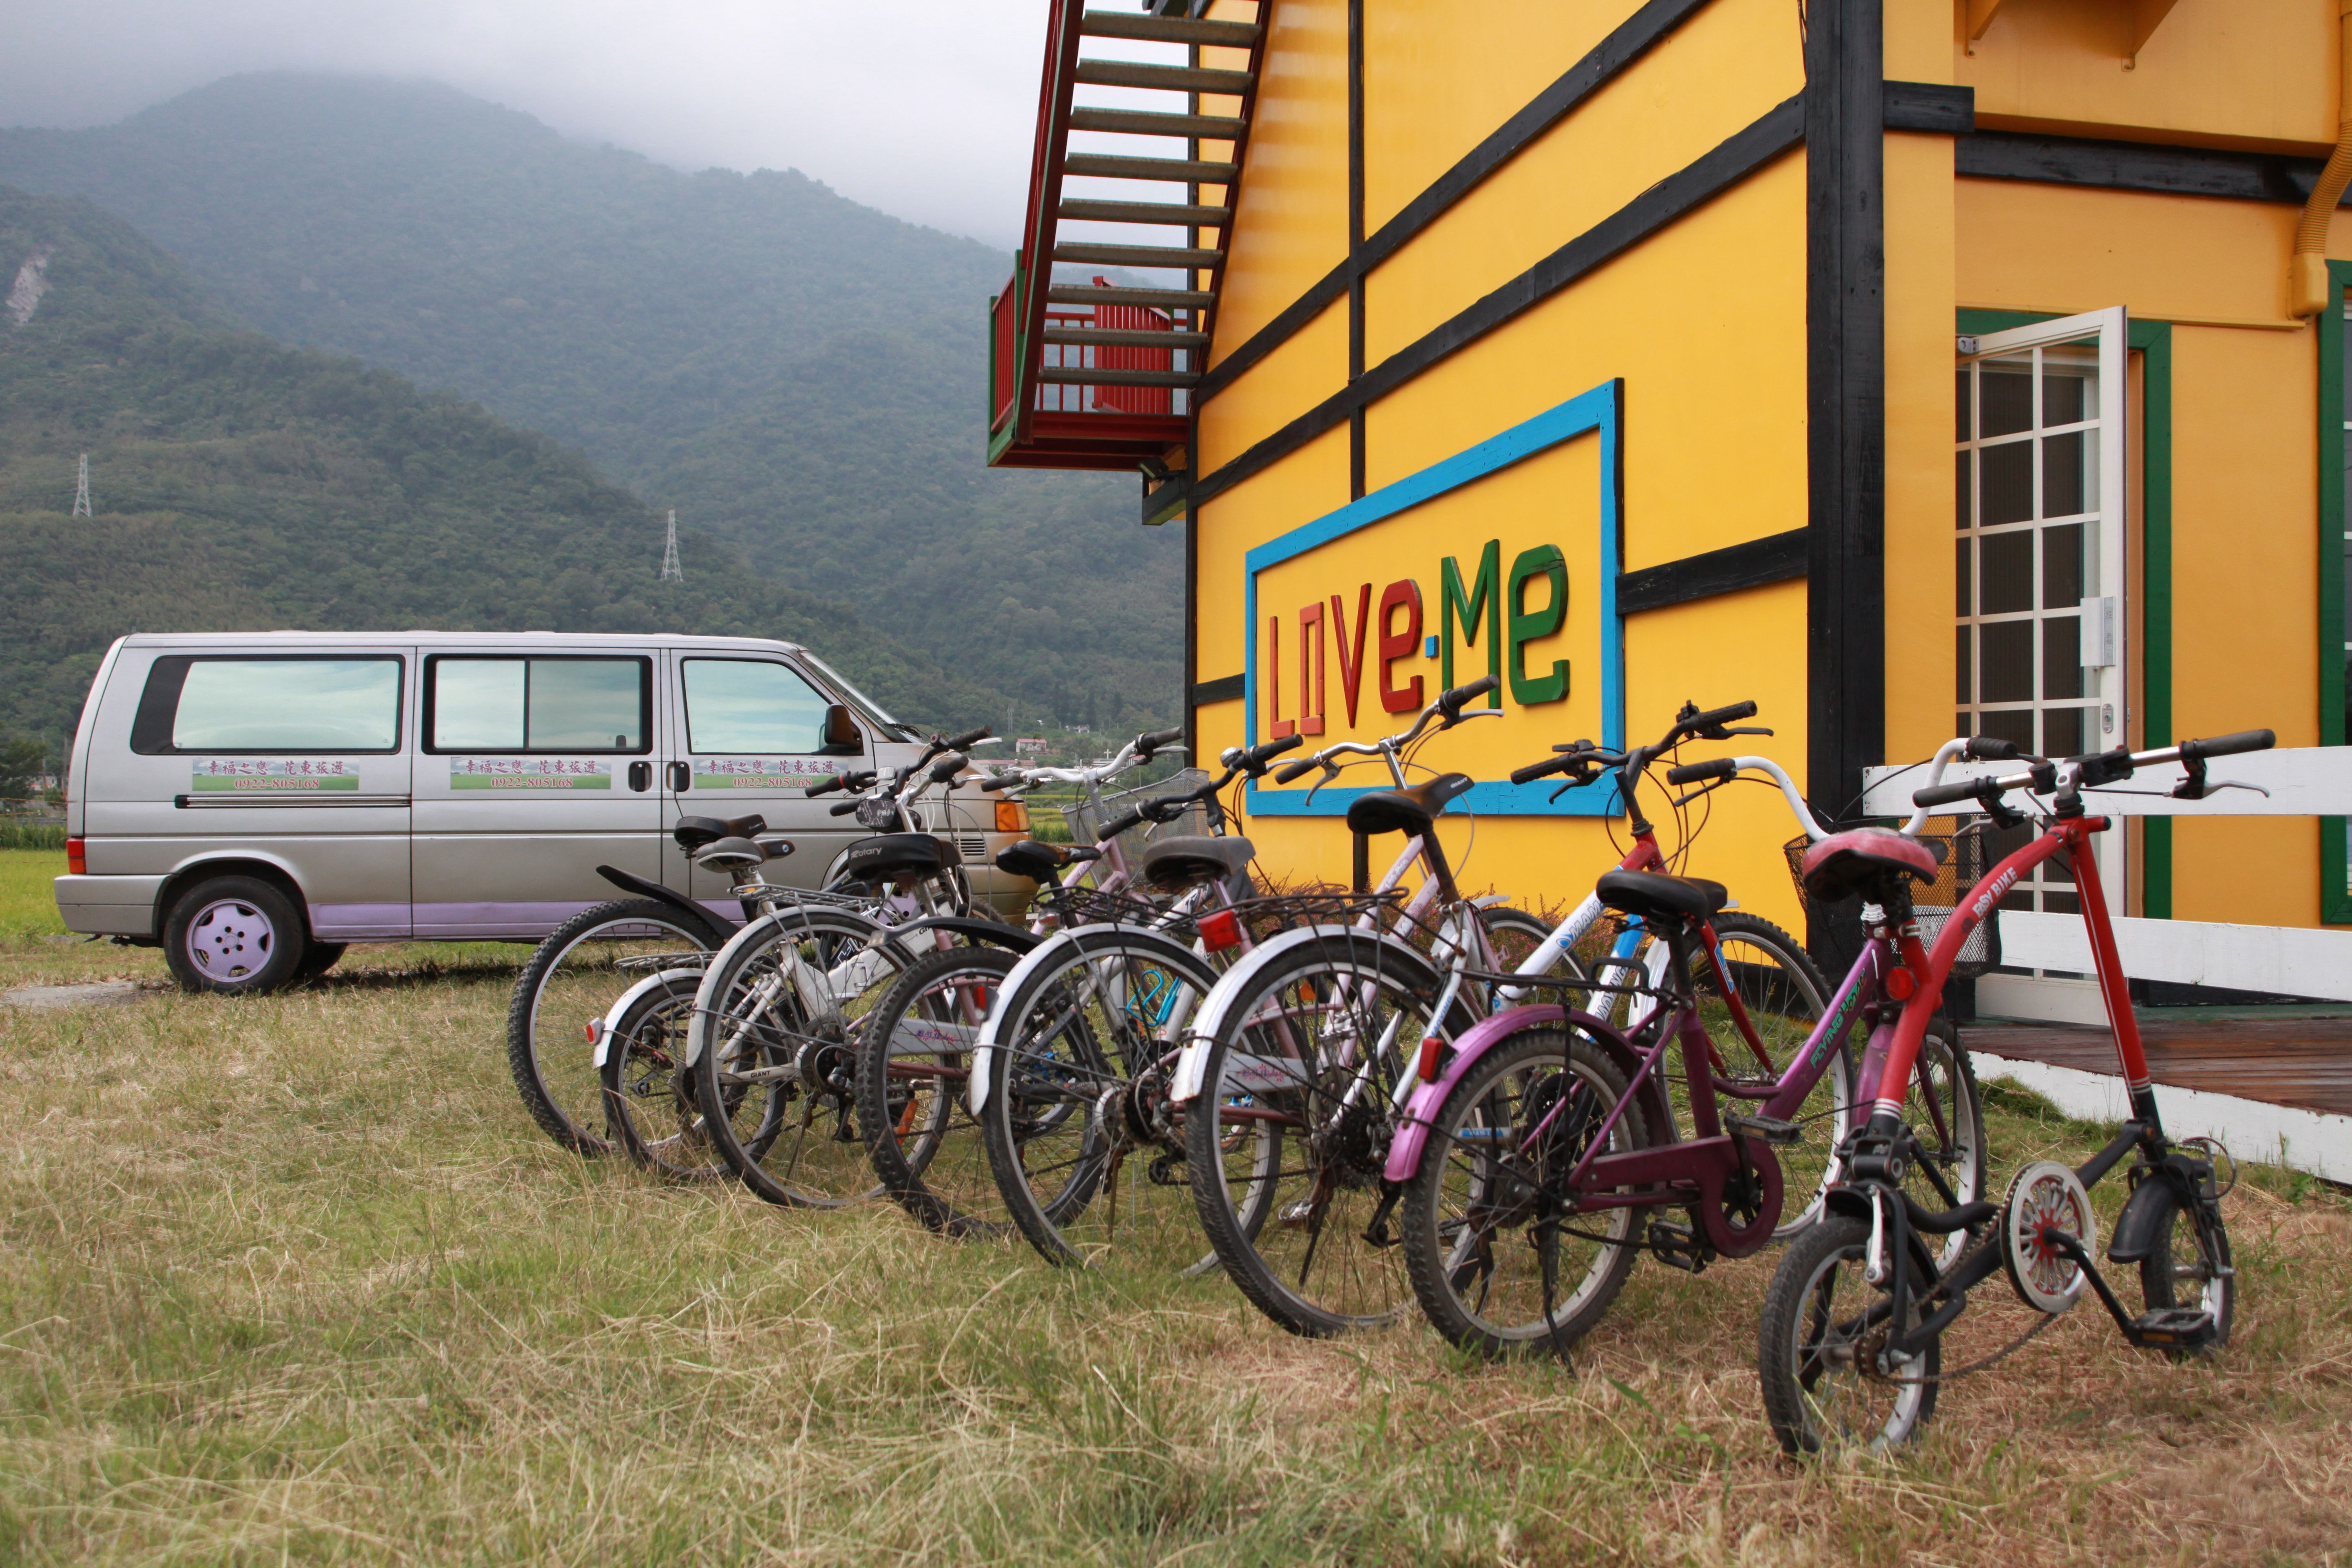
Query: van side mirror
(841, 737)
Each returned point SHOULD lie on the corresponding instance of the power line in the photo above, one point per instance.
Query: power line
(669, 571)
(81, 488)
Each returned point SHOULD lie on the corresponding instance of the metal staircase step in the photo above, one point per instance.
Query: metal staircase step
(1145, 122)
(1168, 29)
(1127, 337)
(1138, 255)
(1075, 378)
(1159, 299)
(1161, 78)
(1172, 215)
(1185, 171)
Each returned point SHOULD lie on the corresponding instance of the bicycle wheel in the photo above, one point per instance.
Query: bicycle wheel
(771, 1068)
(2190, 1266)
(1309, 1062)
(1080, 1044)
(1827, 1384)
(1945, 1117)
(649, 1103)
(1782, 996)
(1515, 936)
(572, 977)
(914, 1065)
(1496, 1170)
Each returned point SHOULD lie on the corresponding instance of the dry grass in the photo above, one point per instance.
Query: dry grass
(296, 1279)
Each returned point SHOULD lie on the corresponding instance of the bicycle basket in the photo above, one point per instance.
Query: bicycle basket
(1193, 819)
(1965, 855)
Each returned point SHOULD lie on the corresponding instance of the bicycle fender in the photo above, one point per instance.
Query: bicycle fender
(983, 1053)
(704, 921)
(1420, 1111)
(2142, 1221)
(979, 933)
(706, 996)
(612, 1020)
(1193, 1062)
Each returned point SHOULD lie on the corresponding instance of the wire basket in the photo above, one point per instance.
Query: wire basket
(1193, 819)
(1965, 856)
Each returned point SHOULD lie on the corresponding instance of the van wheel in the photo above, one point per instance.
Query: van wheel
(235, 935)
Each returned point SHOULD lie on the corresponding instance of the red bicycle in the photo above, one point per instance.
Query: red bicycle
(1850, 1348)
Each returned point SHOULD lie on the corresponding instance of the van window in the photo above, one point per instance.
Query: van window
(751, 705)
(277, 704)
(547, 704)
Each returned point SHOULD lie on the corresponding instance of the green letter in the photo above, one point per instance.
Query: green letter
(1543, 561)
(1484, 599)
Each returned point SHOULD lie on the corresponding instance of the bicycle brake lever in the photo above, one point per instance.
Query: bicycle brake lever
(1330, 771)
(1749, 730)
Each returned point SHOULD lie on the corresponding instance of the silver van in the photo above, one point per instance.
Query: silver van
(253, 802)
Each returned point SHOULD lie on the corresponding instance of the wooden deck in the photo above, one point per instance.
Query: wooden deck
(2303, 1060)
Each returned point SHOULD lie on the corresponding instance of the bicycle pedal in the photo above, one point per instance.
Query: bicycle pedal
(1677, 1246)
(2174, 1327)
(1764, 1128)
(1298, 1213)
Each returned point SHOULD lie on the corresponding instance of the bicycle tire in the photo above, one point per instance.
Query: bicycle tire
(649, 1104)
(1455, 1272)
(925, 1146)
(745, 1049)
(1805, 1417)
(1343, 1147)
(2207, 1258)
(1948, 1160)
(1061, 1044)
(566, 1093)
(1783, 999)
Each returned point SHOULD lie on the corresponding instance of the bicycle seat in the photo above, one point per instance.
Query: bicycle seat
(693, 832)
(1865, 861)
(1039, 862)
(1406, 810)
(732, 853)
(1655, 897)
(1172, 865)
(891, 854)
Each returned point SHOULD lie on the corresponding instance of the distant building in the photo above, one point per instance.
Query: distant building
(1030, 746)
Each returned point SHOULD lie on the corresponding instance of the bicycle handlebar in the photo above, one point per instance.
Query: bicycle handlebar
(947, 767)
(841, 808)
(968, 739)
(1544, 768)
(1699, 773)
(2228, 745)
(994, 782)
(1156, 740)
(2070, 775)
(1450, 703)
(1297, 769)
(1715, 719)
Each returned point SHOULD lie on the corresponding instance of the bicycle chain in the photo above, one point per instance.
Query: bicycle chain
(1985, 1363)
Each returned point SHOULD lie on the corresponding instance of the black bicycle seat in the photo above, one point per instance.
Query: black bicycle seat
(1656, 897)
(693, 832)
(1172, 865)
(1411, 810)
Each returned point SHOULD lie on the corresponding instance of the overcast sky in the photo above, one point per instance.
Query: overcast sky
(922, 108)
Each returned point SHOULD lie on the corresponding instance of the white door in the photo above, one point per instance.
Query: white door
(2040, 575)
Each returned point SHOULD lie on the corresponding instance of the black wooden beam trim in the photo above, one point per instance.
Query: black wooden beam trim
(1930, 106)
(1226, 689)
(2135, 166)
(1775, 558)
(1679, 194)
(1629, 42)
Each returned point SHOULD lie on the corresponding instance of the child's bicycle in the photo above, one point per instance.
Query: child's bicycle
(1850, 1346)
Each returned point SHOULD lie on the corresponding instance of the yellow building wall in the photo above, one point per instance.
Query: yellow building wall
(1292, 223)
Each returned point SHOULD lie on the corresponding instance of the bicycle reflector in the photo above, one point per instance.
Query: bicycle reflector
(1901, 983)
(1221, 931)
(1011, 817)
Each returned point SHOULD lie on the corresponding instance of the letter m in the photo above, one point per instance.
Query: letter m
(1484, 600)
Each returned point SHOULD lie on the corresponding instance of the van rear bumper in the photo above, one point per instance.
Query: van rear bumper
(109, 906)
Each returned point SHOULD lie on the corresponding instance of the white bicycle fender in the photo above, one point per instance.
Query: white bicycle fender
(611, 1022)
(705, 998)
(1192, 1062)
(984, 1052)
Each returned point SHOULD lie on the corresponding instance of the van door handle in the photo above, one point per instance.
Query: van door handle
(681, 778)
(641, 776)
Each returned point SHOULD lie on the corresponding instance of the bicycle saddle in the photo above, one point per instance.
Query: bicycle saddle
(1039, 862)
(735, 853)
(1864, 861)
(693, 832)
(1172, 865)
(1655, 897)
(1406, 810)
(898, 854)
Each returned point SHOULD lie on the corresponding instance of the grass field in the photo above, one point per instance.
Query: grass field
(296, 1279)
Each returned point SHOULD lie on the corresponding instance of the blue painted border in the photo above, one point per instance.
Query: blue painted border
(1600, 410)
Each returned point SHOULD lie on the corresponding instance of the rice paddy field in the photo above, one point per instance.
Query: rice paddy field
(296, 1279)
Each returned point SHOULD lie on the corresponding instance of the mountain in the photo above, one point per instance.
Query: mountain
(238, 484)
(798, 374)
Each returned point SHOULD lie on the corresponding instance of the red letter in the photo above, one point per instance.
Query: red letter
(1400, 645)
(1351, 669)
(1310, 723)
(1277, 726)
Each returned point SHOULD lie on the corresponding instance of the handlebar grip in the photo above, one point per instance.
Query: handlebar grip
(947, 767)
(1693, 773)
(1147, 744)
(968, 739)
(1951, 794)
(1298, 769)
(994, 782)
(1118, 824)
(1254, 761)
(1451, 701)
(1986, 748)
(1717, 717)
(842, 808)
(825, 786)
(1535, 770)
(2228, 745)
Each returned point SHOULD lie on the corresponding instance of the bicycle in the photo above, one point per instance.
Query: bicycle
(1387, 1025)
(1850, 1341)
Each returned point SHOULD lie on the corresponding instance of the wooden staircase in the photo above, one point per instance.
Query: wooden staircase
(1099, 375)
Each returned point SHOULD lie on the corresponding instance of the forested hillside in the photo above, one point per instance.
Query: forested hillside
(795, 373)
(240, 484)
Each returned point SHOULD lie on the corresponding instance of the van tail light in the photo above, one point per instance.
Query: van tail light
(1011, 817)
(1221, 931)
(1432, 1049)
(77, 857)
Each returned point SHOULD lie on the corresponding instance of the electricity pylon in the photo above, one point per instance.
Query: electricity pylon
(81, 488)
(669, 572)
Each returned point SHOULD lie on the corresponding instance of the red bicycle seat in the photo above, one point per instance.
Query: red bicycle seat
(1863, 861)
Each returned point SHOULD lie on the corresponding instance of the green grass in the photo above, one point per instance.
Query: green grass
(29, 904)
(295, 1280)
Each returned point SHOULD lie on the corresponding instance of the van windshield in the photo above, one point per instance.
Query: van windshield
(859, 700)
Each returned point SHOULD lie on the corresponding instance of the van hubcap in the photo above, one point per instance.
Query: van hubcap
(230, 940)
